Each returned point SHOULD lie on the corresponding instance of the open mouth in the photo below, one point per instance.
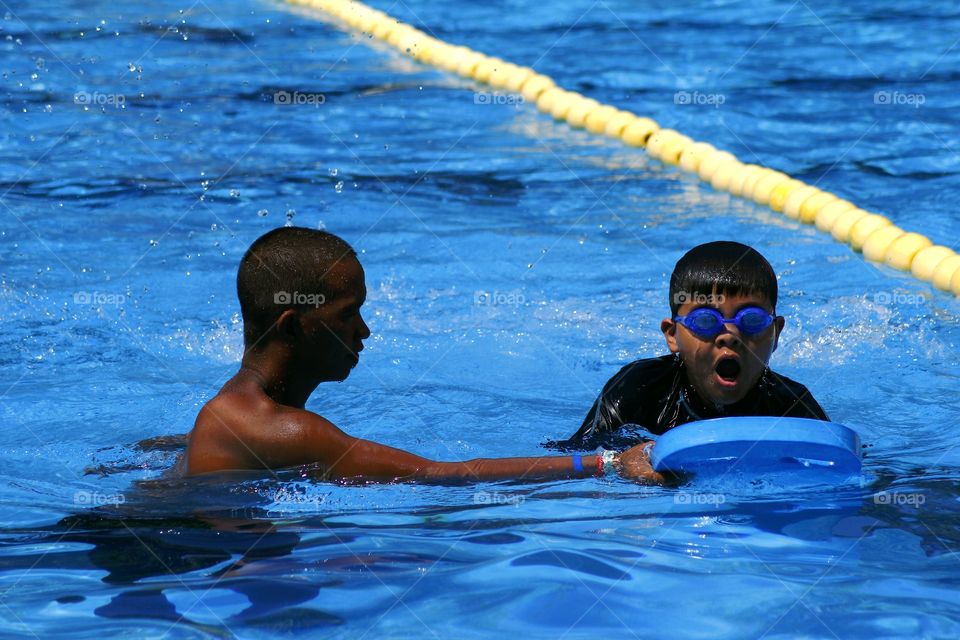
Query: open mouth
(728, 369)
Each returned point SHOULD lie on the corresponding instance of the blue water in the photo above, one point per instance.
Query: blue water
(513, 266)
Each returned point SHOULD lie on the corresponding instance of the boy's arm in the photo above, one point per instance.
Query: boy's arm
(344, 456)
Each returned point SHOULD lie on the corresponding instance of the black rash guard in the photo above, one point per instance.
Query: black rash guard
(653, 395)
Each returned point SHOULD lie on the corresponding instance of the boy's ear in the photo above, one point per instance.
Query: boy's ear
(288, 324)
(778, 323)
(669, 329)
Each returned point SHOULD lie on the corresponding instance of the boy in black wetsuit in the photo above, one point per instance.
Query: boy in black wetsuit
(722, 330)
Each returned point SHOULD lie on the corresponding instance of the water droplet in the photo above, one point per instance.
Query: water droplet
(154, 243)
(290, 214)
(213, 227)
(333, 172)
(132, 67)
(234, 193)
(262, 213)
(338, 187)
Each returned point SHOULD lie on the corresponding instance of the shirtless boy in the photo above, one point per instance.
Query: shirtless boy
(301, 293)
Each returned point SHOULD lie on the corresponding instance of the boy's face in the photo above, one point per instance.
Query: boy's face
(335, 330)
(725, 367)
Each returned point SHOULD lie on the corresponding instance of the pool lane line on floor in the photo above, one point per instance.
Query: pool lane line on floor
(872, 234)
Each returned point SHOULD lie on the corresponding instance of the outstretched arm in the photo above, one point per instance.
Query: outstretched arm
(343, 456)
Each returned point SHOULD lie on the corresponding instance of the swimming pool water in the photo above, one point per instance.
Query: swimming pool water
(513, 265)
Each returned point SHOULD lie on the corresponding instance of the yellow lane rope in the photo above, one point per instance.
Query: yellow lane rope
(870, 233)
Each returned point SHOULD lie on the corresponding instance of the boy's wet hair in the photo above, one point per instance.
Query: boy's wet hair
(721, 268)
(282, 268)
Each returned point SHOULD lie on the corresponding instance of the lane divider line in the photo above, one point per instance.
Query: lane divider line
(872, 234)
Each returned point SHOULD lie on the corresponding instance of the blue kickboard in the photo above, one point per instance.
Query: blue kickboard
(758, 445)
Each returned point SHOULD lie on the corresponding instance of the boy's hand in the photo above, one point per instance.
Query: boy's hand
(634, 463)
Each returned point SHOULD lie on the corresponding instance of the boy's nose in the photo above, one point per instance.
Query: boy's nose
(729, 336)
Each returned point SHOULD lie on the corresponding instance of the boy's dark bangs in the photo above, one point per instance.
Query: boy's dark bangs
(721, 268)
(729, 282)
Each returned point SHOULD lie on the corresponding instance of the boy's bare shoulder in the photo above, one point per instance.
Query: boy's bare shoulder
(243, 428)
(226, 427)
(232, 410)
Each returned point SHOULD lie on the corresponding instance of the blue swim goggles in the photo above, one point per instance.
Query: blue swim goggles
(707, 322)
